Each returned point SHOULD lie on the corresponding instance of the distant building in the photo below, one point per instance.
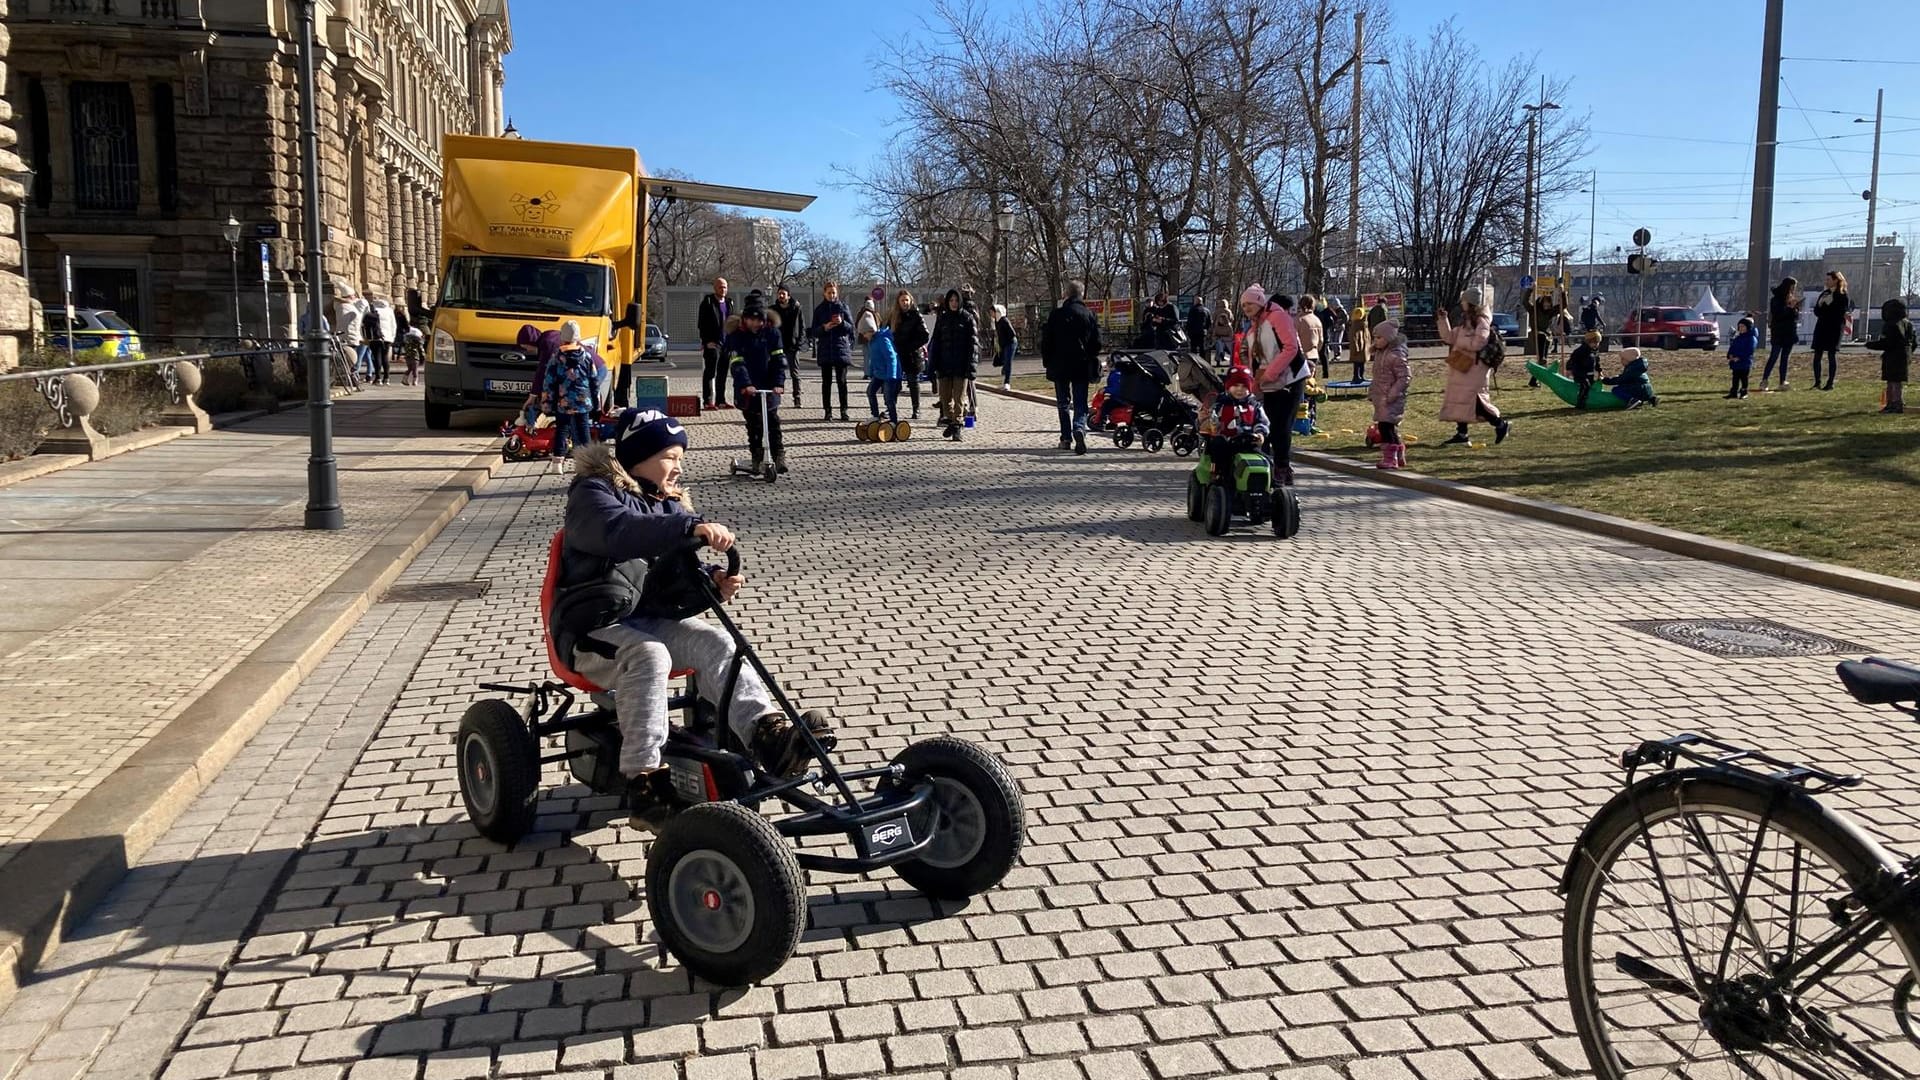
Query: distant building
(148, 123)
(750, 248)
(1682, 281)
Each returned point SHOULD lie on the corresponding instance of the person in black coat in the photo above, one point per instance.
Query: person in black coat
(1829, 322)
(1783, 328)
(1199, 324)
(1070, 353)
(1156, 331)
(955, 358)
(832, 333)
(1006, 343)
(793, 330)
(715, 310)
(910, 337)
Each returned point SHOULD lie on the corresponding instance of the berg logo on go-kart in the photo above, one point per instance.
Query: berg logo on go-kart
(886, 835)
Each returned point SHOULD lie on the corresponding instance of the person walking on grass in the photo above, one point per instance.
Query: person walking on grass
(1829, 323)
(1783, 329)
(1740, 358)
(1896, 346)
(1466, 398)
(1392, 379)
(1070, 353)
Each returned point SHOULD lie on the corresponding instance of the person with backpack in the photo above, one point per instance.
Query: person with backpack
(1473, 352)
(1281, 368)
(571, 393)
(379, 328)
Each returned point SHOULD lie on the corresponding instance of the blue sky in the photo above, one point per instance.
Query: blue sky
(779, 104)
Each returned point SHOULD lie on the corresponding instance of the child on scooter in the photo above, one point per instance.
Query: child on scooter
(1237, 419)
(625, 508)
(758, 359)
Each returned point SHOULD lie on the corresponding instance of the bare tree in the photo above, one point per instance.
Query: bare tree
(1448, 159)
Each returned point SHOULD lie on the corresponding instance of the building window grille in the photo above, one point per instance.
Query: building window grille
(106, 154)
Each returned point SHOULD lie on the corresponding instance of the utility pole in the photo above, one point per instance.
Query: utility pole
(1593, 215)
(1765, 146)
(1873, 205)
(1526, 210)
(1353, 149)
(323, 470)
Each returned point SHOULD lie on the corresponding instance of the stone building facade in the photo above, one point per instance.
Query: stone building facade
(16, 315)
(149, 123)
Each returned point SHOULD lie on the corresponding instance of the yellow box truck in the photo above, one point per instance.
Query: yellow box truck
(538, 233)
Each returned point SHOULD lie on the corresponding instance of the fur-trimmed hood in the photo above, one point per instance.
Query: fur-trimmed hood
(772, 319)
(595, 461)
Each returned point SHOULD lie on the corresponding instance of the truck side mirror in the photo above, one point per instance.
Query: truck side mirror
(629, 321)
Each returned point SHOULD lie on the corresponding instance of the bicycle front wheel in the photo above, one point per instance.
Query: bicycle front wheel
(1680, 912)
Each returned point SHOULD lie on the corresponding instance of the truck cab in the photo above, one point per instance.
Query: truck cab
(486, 299)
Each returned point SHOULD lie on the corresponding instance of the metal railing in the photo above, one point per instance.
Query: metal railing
(51, 383)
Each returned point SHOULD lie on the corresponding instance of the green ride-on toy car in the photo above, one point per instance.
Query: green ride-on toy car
(1248, 493)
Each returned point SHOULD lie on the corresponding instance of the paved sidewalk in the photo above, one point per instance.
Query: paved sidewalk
(130, 585)
(1295, 809)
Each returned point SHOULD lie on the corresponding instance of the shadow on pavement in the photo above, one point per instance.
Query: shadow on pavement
(431, 938)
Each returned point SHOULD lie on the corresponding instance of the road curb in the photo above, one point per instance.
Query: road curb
(51, 886)
(1892, 590)
(26, 468)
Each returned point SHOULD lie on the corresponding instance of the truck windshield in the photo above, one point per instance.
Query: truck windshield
(513, 284)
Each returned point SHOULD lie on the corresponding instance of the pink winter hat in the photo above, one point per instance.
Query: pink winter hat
(1254, 294)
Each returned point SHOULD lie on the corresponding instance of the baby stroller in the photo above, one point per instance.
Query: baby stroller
(1136, 399)
(1198, 379)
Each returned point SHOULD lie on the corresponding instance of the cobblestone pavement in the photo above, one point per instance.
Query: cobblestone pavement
(132, 585)
(1295, 809)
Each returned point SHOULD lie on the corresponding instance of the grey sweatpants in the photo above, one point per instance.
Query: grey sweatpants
(647, 650)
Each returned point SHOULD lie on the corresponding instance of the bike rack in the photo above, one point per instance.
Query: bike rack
(1702, 750)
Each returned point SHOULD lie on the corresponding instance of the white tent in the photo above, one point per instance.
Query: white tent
(1708, 305)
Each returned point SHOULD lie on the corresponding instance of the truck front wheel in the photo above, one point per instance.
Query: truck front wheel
(439, 417)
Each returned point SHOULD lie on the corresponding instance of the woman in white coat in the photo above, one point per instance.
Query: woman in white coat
(1466, 399)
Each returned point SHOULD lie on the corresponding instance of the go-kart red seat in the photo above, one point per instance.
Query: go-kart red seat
(561, 669)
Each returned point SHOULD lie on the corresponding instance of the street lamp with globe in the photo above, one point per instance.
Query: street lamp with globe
(231, 230)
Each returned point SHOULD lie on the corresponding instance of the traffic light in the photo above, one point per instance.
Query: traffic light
(1639, 264)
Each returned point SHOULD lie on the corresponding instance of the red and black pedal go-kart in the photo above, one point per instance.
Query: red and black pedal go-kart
(724, 887)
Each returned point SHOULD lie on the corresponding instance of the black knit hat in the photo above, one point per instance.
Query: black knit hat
(640, 434)
(756, 306)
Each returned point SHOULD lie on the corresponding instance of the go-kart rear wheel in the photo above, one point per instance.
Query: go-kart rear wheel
(499, 763)
(725, 893)
(1152, 440)
(1218, 510)
(1196, 498)
(1286, 513)
(975, 816)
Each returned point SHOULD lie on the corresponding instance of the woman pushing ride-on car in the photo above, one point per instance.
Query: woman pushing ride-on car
(625, 509)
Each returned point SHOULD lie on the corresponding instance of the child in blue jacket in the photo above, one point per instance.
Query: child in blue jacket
(755, 353)
(883, 365)
(1740, 357)
(570, 391)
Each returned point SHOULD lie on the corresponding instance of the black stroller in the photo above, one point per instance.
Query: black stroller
(1198, 379)
(1137, 400)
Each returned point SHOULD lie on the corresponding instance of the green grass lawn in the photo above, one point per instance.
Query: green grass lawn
(1810, 473)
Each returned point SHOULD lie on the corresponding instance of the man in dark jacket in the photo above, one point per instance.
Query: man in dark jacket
(715, 310)
(1199, 325)
(793, 330)
(1070, 353)
(832, 332)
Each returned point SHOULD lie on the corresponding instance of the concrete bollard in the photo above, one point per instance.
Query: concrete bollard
(184, 380)
(74, 398)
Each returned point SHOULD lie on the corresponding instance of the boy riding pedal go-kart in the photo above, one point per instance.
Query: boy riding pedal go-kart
(622, 606)
(1234, 477)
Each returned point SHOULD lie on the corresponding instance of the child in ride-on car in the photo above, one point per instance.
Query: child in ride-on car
(625, 509)
(1238, 423)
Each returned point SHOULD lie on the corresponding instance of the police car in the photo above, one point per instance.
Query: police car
(99, 336)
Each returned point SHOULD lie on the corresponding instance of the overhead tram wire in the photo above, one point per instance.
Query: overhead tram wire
(1795, 98)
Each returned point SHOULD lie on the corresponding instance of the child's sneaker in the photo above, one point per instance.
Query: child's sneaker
(651, 799)
(778, 747)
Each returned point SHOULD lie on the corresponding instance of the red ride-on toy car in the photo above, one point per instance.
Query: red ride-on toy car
(724, 888)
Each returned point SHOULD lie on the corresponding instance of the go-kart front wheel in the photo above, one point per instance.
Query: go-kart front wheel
(975, 817)
(1196, 498)
(1218, 510)
(726, 894)
(1286, 513)
(499, 763)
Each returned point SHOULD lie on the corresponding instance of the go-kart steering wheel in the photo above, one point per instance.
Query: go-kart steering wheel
(678, 587)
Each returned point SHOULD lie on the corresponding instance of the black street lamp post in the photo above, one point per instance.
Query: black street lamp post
(323, 470)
